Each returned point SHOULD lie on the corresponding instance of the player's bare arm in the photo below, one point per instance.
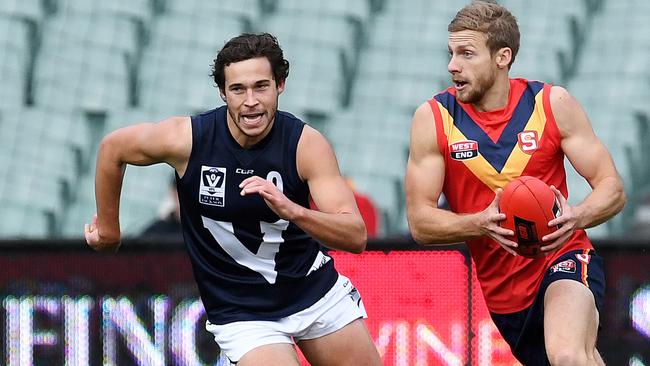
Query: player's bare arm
(425, 174)
(591, 160)
(338, 223)
(168, 141)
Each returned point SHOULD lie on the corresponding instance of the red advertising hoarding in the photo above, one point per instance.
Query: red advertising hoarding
(420, 308)
(141, 307)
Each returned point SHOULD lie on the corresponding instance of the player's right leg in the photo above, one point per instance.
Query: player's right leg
(330, 332)
(248, 342)
(348, 346)
(271, 355)
(337, 335)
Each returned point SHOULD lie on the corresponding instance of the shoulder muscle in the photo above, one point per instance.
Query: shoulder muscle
(423, 133)
(315, 154)
(169, 140)
(569, 114)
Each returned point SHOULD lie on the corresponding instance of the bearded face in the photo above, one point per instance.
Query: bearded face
(472, 66)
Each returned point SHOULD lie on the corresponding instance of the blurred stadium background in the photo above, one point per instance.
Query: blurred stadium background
(73, 70)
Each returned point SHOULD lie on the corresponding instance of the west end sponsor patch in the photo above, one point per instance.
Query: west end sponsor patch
(213, 186)
(567, 266)
(463, 150)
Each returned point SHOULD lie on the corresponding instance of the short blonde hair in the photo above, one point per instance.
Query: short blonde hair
(492, 19)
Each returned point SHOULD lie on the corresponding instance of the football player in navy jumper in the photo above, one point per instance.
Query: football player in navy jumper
(244, 174)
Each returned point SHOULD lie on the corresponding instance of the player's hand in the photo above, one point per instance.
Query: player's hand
(276, 200)
(95, 241)
(568, 220)
(489, 222)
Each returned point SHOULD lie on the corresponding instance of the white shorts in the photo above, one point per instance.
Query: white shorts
(339, 307)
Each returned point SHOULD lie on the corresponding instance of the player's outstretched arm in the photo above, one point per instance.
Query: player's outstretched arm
(590, 158)
(338, 223)
(425, 174)
(167, 141)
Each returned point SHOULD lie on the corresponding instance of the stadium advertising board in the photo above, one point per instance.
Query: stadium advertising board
(142, 308)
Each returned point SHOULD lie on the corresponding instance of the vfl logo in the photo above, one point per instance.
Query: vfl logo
(213, 183)
(528, 141)
(567, 266)
(464, 150)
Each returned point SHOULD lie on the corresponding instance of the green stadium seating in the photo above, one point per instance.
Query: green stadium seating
(430, 64)
(200, 33)
(22, 222)
(247, 12)
(82, 76)
(411, 35)
(73, 70)
(388, 195)
(13, 75)
(15, 34)
(357, 11)
(357, 14)
(316, 82)
(127, 117)
(66, 130)
(612, 48)
(423, 10)
(143, 190)
(137, 10)
(118, 34)
(180, 82)
(35, 176)
(31, 10)
(315, 30)
(176, 65)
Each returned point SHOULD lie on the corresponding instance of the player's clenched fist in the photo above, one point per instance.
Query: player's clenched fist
(97, 242)
(274, 198)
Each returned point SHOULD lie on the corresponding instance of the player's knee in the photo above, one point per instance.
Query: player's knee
(568, 357)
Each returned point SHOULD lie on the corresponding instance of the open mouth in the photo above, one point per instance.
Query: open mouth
(460, 84)
(252, 119)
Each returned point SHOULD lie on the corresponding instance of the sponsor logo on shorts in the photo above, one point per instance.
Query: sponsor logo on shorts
(213, 186)
(584, 258)
(567, 266)
(356, 297)
(464, 150)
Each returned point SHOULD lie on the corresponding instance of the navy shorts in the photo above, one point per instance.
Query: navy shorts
(524, 330)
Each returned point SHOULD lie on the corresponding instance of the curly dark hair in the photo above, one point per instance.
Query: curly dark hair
(247, 46)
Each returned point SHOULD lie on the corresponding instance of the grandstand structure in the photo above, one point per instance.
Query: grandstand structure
(73, 70)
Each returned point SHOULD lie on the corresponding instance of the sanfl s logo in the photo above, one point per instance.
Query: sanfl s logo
(528, 141)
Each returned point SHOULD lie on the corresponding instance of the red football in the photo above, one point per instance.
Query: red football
(529, 204)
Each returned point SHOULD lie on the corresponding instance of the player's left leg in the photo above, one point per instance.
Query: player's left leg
(348, 346)
(570, 324)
